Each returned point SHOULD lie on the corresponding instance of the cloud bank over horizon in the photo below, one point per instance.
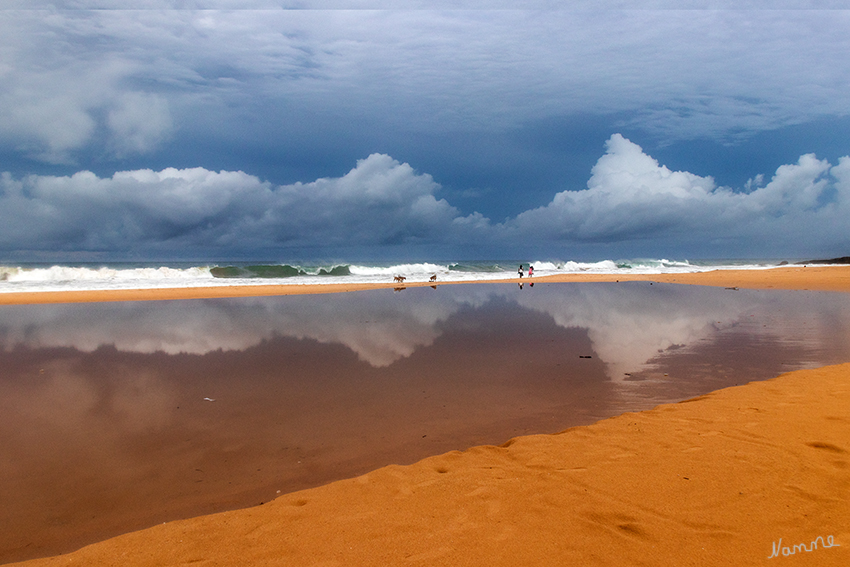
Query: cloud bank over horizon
(382, 203)
(287, 127)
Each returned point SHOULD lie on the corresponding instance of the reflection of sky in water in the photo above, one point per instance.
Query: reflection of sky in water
(628, 324)
(379, 327)
(103, 410)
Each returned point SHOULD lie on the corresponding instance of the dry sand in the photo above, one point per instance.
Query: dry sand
(733, 477)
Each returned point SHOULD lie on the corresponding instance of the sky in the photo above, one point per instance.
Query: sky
(453, 129)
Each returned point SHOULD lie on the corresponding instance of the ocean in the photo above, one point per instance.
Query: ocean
(152, 275)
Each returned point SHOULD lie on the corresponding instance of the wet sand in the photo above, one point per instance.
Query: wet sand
(731, 477)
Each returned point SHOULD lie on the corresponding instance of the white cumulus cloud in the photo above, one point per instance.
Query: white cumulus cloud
(630, 196)
(381, 201)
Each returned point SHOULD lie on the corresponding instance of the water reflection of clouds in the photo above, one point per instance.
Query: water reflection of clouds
(628, 324)
(90, 431)
(379, 327)
(91, 415)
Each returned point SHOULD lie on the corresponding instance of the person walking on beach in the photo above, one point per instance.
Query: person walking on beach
(530, 271)
(520, 272)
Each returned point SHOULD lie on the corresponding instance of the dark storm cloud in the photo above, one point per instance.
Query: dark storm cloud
(124, 81)
(494, 104)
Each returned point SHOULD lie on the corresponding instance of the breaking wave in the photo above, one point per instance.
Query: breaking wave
(143, 276)
(276, 271)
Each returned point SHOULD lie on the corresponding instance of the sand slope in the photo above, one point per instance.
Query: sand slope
(713, 481)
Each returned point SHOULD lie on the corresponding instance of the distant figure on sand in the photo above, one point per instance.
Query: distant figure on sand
(530, 271)
(520, 272)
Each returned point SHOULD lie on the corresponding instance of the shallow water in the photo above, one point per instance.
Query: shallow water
(117, 416)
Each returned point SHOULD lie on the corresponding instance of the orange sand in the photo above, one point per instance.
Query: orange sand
(729, 478)
(822, 278)
(714, 481)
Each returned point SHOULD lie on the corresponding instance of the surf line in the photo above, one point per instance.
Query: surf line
(786, 551)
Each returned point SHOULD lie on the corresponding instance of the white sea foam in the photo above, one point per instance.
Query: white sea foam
(56, 274)
(400, 269)
(106, 277)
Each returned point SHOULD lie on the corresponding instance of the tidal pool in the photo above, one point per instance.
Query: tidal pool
(118, 416)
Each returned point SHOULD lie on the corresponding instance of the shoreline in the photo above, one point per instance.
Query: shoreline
(740, 476)
(820, 278)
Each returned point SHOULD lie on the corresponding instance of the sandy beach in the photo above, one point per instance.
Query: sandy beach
(292, 284)
(747, 475)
